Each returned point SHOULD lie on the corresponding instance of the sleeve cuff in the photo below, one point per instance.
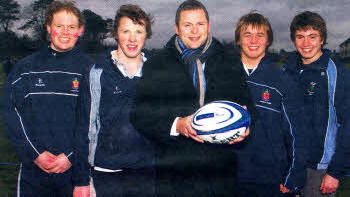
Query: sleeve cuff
(173, 131)
(334, 174)
(70, 156)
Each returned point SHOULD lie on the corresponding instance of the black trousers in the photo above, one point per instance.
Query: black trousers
(33, 182)
(195, 182)
(313, 184)
(126, 183)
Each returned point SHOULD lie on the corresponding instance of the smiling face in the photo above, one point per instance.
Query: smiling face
(131, 38)
(64, 31)
(193, 28)
(309, 44)
(253, 42)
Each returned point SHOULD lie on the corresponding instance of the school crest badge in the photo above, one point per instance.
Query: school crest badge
(75, 84)
(266, 96)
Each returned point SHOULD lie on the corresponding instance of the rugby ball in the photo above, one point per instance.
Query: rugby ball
(220, 122)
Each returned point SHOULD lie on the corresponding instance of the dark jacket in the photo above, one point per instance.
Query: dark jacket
(275, 152)
(326, 85)
(166, 92)
(41, 107)
(114, 143)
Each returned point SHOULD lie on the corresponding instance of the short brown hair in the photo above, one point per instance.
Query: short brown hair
(256, 20)
(68, 6)
(190, 5)
(306, 20)
(136, 14)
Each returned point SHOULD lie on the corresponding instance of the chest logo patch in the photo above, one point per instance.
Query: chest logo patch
(311, 88)
(75, 84)
(40, 83)
(117, 90)
(265, 97)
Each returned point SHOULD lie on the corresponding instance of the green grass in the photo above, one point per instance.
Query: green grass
(8, 173)
(344, 189)
(347, 65)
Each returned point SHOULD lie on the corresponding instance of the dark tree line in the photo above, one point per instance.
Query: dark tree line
(31, 20)
(9, 13)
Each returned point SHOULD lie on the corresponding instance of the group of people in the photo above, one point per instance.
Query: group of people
(121, 125)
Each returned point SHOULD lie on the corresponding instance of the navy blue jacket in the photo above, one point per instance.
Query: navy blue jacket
(114, 143)
(274, 152)
(326, 91)
(41, 107)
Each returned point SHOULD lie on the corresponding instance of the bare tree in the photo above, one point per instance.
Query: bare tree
(35, 19)
(96, 28)
(9, 11)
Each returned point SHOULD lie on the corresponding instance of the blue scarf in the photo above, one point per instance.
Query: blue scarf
(189, 57)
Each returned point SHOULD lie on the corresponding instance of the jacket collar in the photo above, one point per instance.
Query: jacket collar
(264, 62)
(105, 61)
(49, 52)
(216, 45)
(294, 62)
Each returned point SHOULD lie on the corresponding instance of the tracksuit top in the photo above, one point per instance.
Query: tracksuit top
(41, 107)
(326, 89)
(114, 143)
(274, 152)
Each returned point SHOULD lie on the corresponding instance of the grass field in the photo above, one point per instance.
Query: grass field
(348, 65)
(8, 173)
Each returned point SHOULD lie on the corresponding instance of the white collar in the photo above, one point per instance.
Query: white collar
(246, 68)
(122, 68)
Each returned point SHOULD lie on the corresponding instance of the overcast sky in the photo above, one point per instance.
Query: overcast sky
(225, 13)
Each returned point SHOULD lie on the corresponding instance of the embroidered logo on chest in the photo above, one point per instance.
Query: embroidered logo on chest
(117, 90)
(265, 97)
(40, 83)
(75, 85)
(311, 88)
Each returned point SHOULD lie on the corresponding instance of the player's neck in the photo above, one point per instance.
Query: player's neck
(131, 64)
(249, 62)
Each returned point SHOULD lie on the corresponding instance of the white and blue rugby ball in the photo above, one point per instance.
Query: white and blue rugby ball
(220, 122)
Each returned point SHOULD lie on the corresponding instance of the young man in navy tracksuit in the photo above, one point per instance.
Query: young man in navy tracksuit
(325, 86)
(40, 104)
(271, 161)
(121, 158)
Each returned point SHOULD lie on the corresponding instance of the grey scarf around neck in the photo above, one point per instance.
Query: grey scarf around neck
(194, 59)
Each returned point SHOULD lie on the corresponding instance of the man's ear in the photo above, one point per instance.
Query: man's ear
(208, 27)
(176, 29)
(48, 28)
(81, 30)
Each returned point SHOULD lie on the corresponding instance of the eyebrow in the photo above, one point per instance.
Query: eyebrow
(313, 34)
(196, 22)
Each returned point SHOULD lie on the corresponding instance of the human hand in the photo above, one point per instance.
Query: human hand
(241, 138)
(184, 127)
(329, 184)
(81, 191)
(62, 164)
(284, 189)
(45, 161)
